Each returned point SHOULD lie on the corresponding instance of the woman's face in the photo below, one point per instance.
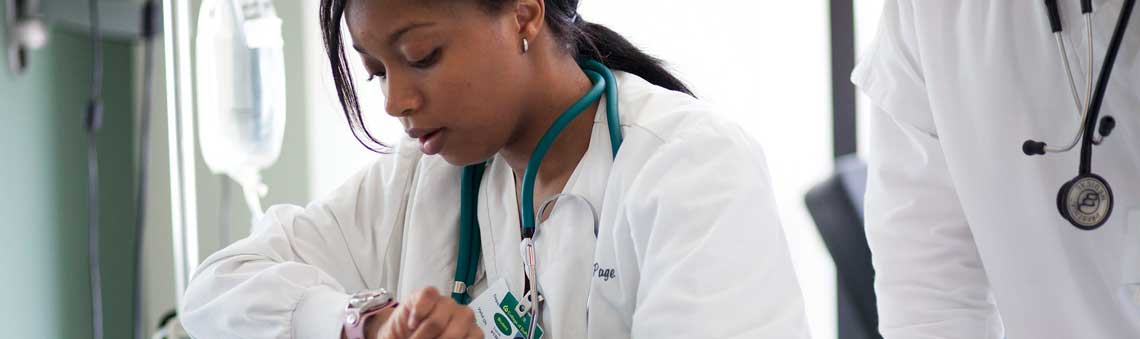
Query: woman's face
(451, 72)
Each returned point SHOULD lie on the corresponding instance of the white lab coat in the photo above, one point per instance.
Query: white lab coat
(963, 227)
(688, 229)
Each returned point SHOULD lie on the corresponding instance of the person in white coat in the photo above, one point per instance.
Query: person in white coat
(967, 237)
(688, 243)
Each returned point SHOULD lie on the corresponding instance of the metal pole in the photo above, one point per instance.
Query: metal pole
(842, 63)
(180, 130)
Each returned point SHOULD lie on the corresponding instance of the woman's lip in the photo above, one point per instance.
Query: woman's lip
(425, 137)
(432, 143)
(417, 133)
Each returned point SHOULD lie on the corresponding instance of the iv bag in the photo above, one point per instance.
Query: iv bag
(241, 91)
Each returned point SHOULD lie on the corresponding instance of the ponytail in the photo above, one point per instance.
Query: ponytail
(588, 40)
(611, 49)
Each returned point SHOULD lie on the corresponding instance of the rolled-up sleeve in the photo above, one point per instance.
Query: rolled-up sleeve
(293, 278)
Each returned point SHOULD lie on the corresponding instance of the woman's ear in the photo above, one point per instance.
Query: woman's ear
(530, 15)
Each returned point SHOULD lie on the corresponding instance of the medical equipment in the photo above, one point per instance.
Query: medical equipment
(530, 257)
(93, 118)
(26, 32)
(468, 258)
(149, 31)
(1086, 201)
(92, 121)
(241, 91)
(170, 328)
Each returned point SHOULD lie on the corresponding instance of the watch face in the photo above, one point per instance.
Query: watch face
(366, 300)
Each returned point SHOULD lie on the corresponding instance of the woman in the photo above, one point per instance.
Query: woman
(685, 241)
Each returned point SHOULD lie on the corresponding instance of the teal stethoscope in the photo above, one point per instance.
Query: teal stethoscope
(469, 249)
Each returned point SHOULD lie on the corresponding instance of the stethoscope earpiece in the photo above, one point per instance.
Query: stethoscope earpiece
(1107, 124)
(1033, 147)
(1086, 201)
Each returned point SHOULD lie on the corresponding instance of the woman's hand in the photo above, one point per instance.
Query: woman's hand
(428, 315)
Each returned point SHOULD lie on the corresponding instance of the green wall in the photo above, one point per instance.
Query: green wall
(43, 247)
(43, 235)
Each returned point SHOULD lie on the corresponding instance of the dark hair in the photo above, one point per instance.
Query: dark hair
(583, 40)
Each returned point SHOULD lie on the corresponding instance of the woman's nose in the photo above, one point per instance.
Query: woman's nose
(403, 98)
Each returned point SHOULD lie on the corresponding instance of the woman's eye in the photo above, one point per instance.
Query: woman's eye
(427, 61)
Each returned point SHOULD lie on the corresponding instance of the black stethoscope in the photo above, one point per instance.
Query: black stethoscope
(1086, 201)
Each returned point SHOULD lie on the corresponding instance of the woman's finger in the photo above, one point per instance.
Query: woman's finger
(433, 326)
(396, 325)
(422, 304)
(461, 323)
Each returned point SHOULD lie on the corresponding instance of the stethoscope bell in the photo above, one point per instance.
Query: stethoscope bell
(1086, 201)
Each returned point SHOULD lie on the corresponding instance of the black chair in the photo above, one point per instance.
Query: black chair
(836, 205)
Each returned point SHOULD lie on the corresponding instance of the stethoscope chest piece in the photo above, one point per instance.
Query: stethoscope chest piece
(1086, 201)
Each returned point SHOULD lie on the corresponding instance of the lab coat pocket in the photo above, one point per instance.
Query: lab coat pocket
(1130, 272)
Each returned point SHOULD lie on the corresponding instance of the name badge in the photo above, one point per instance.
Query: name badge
(500, 315)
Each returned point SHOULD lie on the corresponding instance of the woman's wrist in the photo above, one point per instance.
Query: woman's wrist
(362, 307)
(372, 324)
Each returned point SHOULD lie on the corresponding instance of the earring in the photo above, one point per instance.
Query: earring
(526, 46)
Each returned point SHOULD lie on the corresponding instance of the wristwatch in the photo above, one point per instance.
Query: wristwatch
(362, 306)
